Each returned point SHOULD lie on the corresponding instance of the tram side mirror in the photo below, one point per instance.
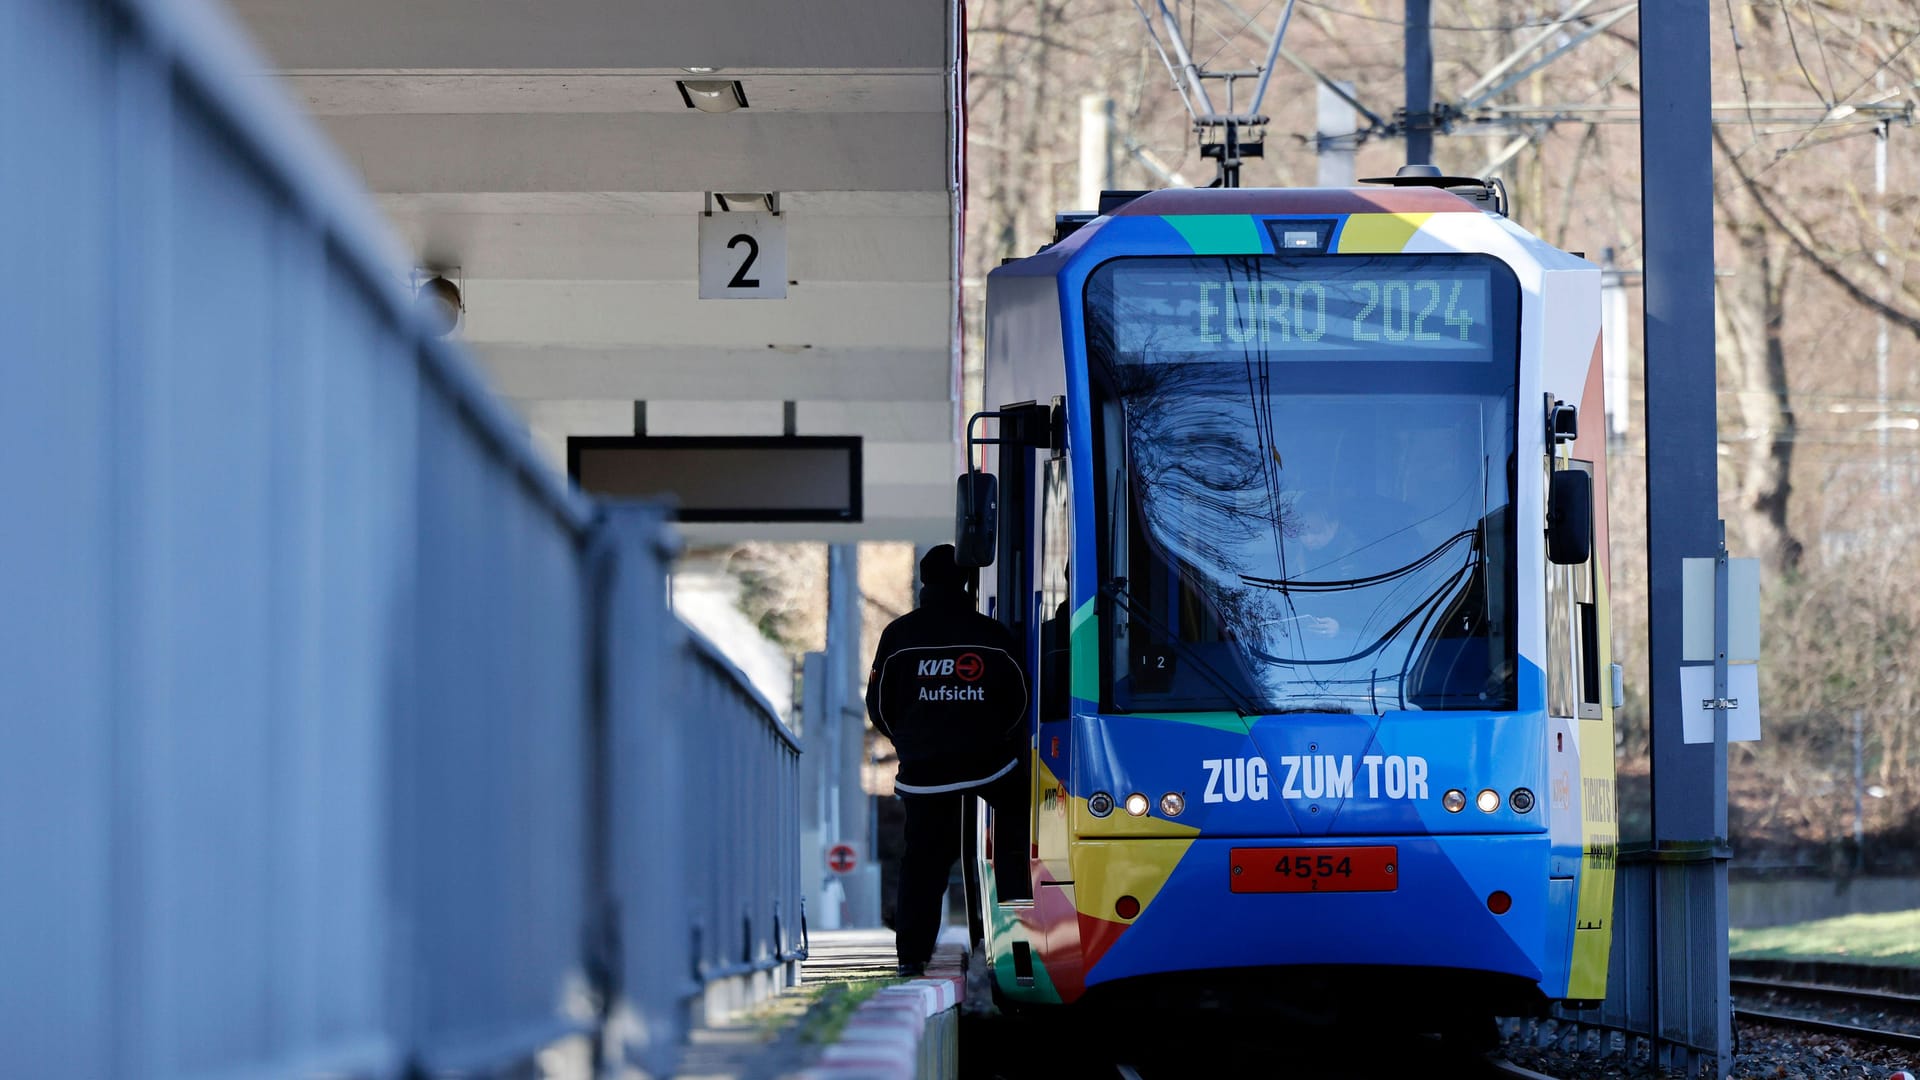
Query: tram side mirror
(976, 512)
(1563, 422)
(1570, 516)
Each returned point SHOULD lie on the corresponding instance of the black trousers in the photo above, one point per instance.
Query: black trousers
(935, 830)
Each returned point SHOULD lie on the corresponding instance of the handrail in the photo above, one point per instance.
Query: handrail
(712, 655)
(207, 53)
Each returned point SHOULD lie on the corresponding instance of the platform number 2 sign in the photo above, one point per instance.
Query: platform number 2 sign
(743, 256)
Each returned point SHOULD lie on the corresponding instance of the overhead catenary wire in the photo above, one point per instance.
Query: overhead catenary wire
(1474, 97)
(1493, 28)
(1840, 110)
(1227, 39)
(1154, 36)
(1477, 110)
(1496, 71)
(1316, 74)
(1222, 134)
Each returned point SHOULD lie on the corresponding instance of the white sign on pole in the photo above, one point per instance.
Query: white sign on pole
(743, 256)
(1743, 610)
(1696, 690)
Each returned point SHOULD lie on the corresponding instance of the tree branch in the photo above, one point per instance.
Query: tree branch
(1797, 232)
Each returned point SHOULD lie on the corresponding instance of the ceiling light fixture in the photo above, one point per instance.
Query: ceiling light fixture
(752, 202)
(712, 95)
(439, 299)
(699, 70)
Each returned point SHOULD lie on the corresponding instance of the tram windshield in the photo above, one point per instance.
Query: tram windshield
(1306, 473)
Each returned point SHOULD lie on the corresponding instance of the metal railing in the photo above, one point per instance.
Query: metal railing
(337, 735)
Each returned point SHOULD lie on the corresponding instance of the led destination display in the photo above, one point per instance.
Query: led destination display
(1359, 308)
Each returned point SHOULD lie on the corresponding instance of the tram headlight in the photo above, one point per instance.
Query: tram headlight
(1521, 800)
(1454, 800)
(1172, 804)
(1099, 804)
(1488, 801)
(1137, 804)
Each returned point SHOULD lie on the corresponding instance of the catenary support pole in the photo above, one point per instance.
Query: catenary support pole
(849, 805)
(820, 889)
(1689, 780)
(1882, 420)
(1096, 149)
(1859, 793)
(1419, 72)
(1334, 145)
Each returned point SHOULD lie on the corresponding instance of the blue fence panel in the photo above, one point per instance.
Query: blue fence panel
(494, 759)
(57, 872)
(709, 901)
(336, 734)
(746, 890)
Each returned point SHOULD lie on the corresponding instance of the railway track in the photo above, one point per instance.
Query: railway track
(1463, 1069)
(1902, 1040)
(1849, 995)
(1851, 1003)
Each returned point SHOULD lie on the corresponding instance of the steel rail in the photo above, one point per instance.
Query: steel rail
(1903, 1040)
(1825, 990)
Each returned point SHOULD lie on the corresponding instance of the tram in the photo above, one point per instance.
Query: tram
(1296, 500)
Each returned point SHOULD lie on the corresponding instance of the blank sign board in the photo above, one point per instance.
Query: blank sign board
(726, 478)
(1743, 610)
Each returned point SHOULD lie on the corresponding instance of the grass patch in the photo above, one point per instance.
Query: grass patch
(834, 1007)
(774, 1017)
(1890, 938)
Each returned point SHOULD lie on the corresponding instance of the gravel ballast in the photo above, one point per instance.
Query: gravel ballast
(1763, 1052)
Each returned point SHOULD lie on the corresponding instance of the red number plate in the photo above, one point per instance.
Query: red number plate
(1315, 869)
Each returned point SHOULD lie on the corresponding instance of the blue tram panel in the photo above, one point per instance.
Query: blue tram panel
(1313, 695)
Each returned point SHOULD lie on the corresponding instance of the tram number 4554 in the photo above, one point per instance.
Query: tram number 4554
(1311, 866)
(1336, 869)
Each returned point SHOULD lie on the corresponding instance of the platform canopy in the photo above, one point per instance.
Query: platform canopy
(544, 157)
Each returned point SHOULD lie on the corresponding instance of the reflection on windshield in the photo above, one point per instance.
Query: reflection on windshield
(1325, 534)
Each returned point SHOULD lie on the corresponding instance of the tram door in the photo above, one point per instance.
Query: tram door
(1053, 673)
(1013, 600)
(1032, 600)
(1573, 689)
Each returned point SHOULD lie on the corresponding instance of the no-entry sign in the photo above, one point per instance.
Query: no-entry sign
(840, 858)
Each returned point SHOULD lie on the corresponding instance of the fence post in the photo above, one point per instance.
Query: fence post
(645, 797)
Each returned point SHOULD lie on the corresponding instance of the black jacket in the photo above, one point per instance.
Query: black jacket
(947, 689)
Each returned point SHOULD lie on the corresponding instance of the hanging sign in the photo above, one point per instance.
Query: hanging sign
(743, 256)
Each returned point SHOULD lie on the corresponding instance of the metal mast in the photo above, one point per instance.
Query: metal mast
(1418, 115)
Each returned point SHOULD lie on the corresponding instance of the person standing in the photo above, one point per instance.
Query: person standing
(947, 689)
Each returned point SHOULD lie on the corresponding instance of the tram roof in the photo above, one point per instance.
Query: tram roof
(1385, 200)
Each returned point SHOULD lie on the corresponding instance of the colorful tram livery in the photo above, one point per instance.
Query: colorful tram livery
(1305, 543)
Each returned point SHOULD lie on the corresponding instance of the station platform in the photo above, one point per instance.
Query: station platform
(849, 1018)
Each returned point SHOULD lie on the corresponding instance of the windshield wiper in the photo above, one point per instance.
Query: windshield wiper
(1116, 589)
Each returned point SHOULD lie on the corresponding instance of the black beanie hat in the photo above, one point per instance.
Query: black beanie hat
(937, 568)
